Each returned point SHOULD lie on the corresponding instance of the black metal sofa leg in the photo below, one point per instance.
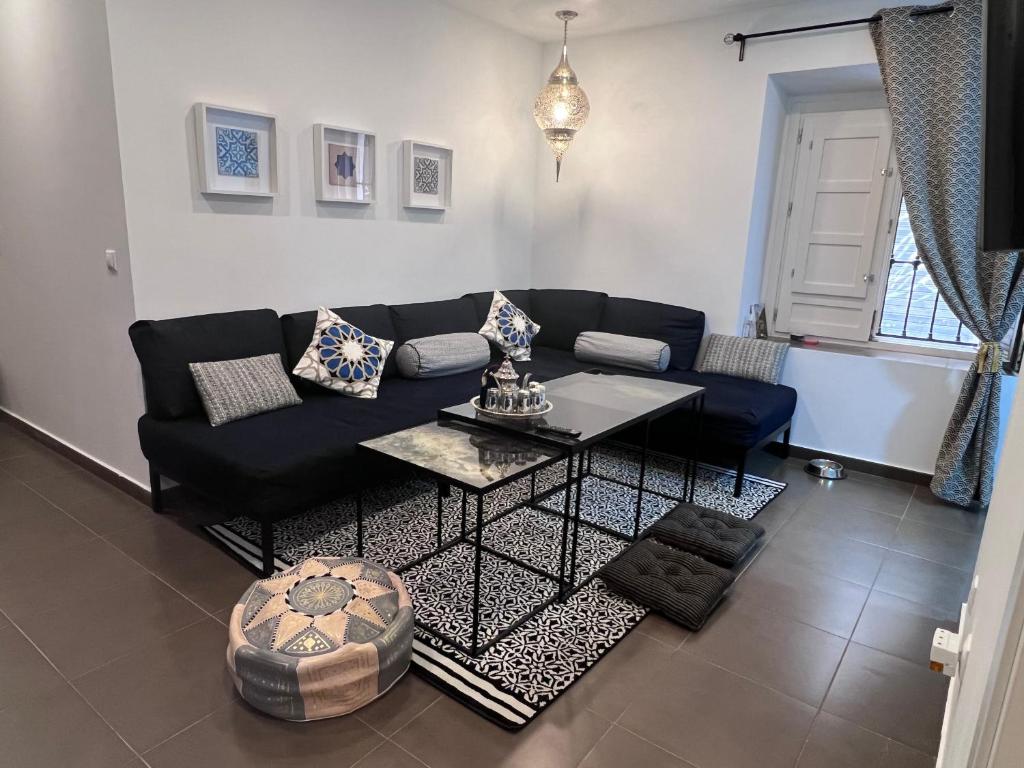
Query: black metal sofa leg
(740, 471)
(156, 494)
(267, 547)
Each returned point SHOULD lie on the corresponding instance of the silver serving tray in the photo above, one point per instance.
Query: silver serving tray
(545, 409)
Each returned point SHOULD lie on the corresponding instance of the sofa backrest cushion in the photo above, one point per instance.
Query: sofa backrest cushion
(482, 302)
(166, 347)
(374, 319)
(431, 318)
(563, 314)
(681, 328)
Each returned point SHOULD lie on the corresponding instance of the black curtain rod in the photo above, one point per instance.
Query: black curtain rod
(741, 38)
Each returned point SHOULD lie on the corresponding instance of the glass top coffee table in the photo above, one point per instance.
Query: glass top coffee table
(479, 454)
(600, 406)
(478, 461)
(465, 454)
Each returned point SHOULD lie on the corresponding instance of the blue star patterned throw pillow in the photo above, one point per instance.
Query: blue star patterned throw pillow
(508, 328)
(343, 358)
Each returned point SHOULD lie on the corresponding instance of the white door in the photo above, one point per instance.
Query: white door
(833, 239)
(985, 695)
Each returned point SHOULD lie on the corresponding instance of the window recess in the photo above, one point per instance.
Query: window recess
(842, 181)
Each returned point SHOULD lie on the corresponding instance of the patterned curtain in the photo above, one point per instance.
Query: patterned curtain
(932, 72)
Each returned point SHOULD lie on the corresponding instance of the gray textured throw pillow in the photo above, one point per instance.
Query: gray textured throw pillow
(442, 355)
(233, 389)
(622, 351)
(757, 359)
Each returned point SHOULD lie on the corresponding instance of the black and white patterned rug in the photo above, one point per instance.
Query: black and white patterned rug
(515, 679)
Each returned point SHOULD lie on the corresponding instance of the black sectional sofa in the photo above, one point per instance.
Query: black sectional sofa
(283, 462)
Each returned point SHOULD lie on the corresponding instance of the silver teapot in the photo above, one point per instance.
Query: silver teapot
(506, 378)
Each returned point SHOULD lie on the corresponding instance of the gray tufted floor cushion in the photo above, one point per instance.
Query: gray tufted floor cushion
(716, 536)
(680, 586)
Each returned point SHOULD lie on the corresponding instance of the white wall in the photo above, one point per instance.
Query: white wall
(663, 196)
(65, 361)
(773, 123)
(657, 195)
(403, 69)
(667, 195)
(890, 409)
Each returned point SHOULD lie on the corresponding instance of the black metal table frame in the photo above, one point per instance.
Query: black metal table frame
(689, 483)
(573, 455)
(444, 484)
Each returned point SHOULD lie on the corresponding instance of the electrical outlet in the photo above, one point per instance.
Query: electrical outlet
(945, 652)
(111, 257)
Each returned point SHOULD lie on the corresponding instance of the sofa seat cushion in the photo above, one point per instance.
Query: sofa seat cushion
(564, 314)
(679, 327)
(288, 459)
(431, 318)
(166, 347)
(296, 457)
(716, 536)
(678, 585)
(740, 412)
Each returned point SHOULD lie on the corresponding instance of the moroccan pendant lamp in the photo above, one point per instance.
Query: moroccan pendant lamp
(561, 107)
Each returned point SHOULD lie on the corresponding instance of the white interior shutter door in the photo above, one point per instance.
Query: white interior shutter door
(827, 286)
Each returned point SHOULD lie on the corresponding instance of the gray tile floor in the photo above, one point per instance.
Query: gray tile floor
(112, 643)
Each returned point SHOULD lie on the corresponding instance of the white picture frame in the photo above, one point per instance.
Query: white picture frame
(359, 150)
(426, 175)
(250, 168)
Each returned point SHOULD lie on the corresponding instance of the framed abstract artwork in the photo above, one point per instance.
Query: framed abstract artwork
(346, 164)
(426, 175)
(236, 151)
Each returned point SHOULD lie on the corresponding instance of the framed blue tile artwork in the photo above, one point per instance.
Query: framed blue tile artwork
(237, 153)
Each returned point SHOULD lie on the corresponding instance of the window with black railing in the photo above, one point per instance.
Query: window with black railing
(912, 308)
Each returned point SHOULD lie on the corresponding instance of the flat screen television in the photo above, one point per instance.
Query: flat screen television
(1002, 224)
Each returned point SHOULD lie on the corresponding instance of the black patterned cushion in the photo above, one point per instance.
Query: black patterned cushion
(681, 586)
(716, 536)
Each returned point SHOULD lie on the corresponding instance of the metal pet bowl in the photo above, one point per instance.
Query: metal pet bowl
(826, 469)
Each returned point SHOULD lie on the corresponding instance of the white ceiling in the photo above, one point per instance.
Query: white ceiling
(536, 18)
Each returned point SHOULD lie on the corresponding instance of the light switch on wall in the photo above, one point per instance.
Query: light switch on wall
(111, 259)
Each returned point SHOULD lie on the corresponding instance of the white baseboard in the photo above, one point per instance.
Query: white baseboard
(70, 446)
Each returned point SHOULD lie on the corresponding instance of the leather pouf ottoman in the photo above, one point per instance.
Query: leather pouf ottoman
(321, 639)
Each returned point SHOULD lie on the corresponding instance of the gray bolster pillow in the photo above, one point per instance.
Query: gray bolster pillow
(622, 351)
(442, 355)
